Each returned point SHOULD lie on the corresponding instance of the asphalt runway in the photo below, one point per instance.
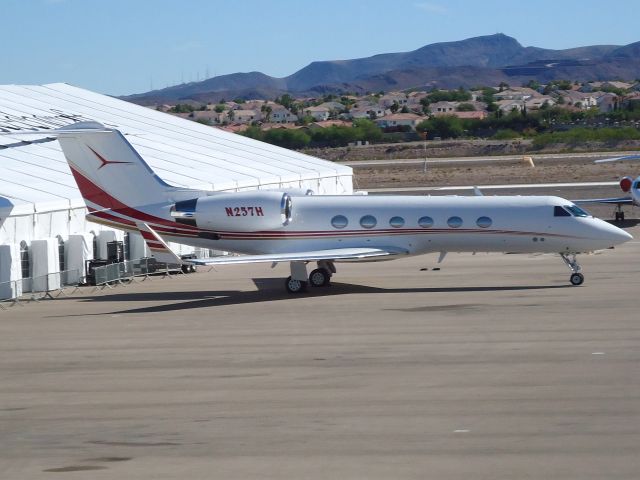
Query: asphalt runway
(493, 367)
(484, 159)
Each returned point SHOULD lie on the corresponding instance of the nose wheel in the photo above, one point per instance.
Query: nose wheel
(570, 261)
(576, 279)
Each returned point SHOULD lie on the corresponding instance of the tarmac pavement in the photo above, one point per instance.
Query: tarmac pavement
(492, 367)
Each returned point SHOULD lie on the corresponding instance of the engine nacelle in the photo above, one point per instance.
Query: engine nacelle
(625, 184)
(236, 212)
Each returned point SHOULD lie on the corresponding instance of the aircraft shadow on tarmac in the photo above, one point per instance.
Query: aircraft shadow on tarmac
(626, 223)
(270, 290)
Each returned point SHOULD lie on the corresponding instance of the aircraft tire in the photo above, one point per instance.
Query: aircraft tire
(576, 279)
(319, 277)
(295, 286)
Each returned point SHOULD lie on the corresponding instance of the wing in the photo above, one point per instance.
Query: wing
(613, 201)
(344, 254)
(161, 251)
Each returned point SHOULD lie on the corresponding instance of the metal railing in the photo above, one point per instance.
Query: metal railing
(36, 288)
(55, 284)
(125, 271)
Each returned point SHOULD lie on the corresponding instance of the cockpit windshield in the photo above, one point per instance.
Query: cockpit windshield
(569, 210)
(577, 211)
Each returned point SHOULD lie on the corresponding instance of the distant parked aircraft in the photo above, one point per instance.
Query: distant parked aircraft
(628, 185)
(122, 191)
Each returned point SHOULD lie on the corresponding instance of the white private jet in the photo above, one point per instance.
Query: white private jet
(122, 191)
(628, 185)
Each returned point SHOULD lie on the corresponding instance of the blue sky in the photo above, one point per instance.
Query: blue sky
(126, 46)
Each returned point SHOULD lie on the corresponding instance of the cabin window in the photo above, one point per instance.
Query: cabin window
(454, 222)
(368, 221)
(560, 212)
(484, 222)
(425, 222)
(339, 221)
(396, 222)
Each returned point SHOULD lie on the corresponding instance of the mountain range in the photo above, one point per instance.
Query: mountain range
(485, 60)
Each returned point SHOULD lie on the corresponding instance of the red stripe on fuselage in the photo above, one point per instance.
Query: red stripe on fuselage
(95, 194)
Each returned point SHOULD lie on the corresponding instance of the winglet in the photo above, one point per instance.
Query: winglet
(159, 248)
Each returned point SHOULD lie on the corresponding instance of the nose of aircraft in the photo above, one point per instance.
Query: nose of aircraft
(613, 234)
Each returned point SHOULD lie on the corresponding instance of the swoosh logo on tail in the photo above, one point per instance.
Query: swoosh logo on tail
(104, 161)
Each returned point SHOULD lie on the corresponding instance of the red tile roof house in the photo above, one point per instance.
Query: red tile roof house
(399, 120)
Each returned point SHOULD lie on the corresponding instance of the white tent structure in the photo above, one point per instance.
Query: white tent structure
(39, 199)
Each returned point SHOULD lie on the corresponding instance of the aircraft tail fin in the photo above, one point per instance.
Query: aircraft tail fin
(108, 170)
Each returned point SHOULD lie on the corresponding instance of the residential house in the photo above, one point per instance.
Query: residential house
(578, 99)
(280, 114)
(244, 116)
(336, 106)
(330, 123)
(394, 97)
(620, 85)
(607, 102)
(443, 108)
(279, 126)
(507, 106)
(234, 128)
(210, 116)
(366, 110)
(413, 100)
(474, 115)
(633, 97)
(318, 113)
(516, 93)
(536, 103)
(610, 84)
(399, 120)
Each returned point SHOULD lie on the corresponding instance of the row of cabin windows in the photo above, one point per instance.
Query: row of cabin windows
(369, 221)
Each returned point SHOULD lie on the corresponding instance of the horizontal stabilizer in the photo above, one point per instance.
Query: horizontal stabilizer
(613, 201)
(619, 159)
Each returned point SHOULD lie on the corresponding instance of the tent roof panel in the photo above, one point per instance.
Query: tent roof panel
(183, 153)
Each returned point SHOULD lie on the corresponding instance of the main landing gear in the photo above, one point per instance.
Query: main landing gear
(320, 277)
(619, 214)
(570, 261)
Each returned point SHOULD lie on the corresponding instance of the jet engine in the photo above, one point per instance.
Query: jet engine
(237, 212)
(625, 184)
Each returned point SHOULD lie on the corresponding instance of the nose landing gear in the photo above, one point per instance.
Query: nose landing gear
(570, 261)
